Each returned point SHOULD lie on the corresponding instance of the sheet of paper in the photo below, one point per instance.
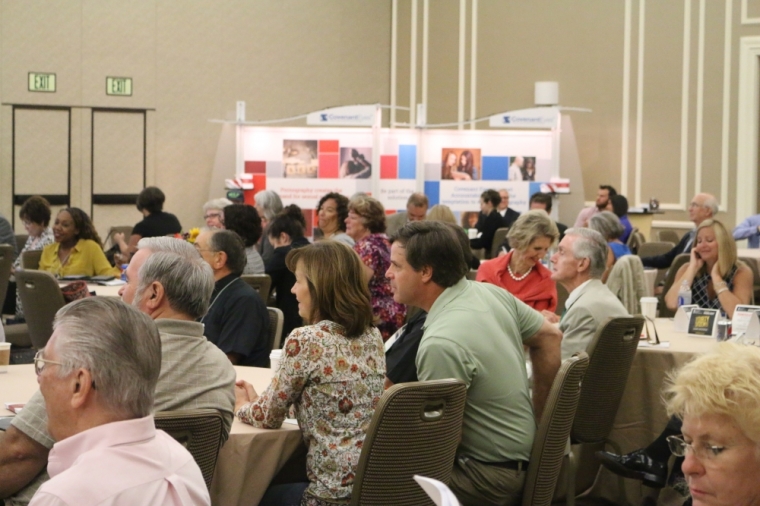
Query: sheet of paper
(647, 344)
(437, 491)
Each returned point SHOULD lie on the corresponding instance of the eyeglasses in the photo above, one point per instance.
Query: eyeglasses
(39, 363)
(703, 451)
(212, 215)
(695, 204)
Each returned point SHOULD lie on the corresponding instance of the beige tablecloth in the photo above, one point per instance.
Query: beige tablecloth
(248, 461)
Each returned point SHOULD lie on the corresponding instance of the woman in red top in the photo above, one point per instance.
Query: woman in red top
(520, 271)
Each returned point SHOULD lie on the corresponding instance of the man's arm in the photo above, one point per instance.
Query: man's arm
(665, 260)
(544, 348)
(21, 459)
(747, 228)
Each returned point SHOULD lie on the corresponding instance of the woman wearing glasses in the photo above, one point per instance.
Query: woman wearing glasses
(331, 374)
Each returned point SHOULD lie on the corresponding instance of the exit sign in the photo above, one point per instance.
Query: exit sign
(121, 86)
(39, 81)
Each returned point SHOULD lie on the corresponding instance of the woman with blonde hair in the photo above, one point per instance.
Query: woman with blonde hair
(331, 373)
(440, 212)
(716, 276)
(520, 271)
(366, 225)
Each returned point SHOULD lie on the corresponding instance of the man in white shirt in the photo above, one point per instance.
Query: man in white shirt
(98, 375)
(508, 214)
(578, 265)
(603, 196)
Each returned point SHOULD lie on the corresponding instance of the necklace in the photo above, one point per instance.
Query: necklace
(518, 278)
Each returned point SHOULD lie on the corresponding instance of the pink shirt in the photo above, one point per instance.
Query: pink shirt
(585, 215)
(122, 463)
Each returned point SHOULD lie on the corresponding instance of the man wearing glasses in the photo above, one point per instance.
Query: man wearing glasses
(703, 206)
(170, 282)
(98, 375)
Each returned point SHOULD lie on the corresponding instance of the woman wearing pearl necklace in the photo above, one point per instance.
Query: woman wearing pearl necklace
(520, 271)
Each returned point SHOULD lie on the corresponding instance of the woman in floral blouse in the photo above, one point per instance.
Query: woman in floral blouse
(331, 373)
(366, 225)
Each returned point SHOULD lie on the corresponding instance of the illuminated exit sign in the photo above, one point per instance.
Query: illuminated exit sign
(39, 81)
(121, 86)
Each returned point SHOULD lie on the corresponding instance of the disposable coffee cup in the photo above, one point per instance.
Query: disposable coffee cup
(5, 356)
(274, 359)
(649, 307)
(472, 233)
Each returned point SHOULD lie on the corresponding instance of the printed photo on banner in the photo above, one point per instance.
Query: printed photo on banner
(470, 219)
(299, 159)
(355, 163)
(522, 168)
(462, 164)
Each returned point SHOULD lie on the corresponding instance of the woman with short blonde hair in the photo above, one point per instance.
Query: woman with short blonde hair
(440, 212)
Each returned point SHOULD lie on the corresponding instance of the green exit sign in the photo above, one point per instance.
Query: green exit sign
(121, 86)
(39, 81)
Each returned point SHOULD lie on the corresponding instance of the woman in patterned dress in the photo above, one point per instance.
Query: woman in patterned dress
(366, 225)
(331, 373)
(718, 279)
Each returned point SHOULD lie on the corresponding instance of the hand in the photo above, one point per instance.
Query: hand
(715, 273)
(244, 394)
(695, 261)
(550, 317)
(118, 237)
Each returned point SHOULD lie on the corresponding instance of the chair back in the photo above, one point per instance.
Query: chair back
(670, 278)
(551, 438)
(262, 283)
(31, 259)
(635, 240)
(42, 298)
(650, 249)
(276, 321)
(562, 295)
(6, 262)
(498, 238)
(124, 229)
(628, 282)
(611, 354)
(668, 236)
(200, 431)
(21, 241)
(416, 429)
(752, 263)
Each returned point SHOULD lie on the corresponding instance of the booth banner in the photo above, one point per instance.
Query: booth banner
(350, 115)
(305, 193)
(465, 195)
(537, 117)
(395, 192)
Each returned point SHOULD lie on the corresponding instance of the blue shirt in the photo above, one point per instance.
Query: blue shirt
(748, 230)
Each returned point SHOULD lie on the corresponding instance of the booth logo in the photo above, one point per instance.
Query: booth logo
(539, 117)
(353, 115)
(323, 117)
(506, 119)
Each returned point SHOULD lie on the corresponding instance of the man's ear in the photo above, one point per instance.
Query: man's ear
(154, 296)
(82, 388)
(220, 260)
(427, 273)
(584, 264)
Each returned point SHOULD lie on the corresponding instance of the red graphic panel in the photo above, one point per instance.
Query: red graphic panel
(255, 167)
(328, 147)
(388, 166)
(328, 166)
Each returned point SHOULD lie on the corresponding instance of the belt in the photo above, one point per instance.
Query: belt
(516, 465)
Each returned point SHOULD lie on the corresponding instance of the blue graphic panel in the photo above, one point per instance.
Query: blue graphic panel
(495, 168)
(433, 192)
(534, 188)
(407, 161)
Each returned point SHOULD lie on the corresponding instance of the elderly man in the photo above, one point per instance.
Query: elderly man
(168, 281)
(416, 209)
(603, 196)
(237, 320)
(475, 332)
(703, 206)
(578, 265)
(98, 374)
(508, 214)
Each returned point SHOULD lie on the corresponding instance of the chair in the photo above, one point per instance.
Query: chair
(611, 354)
(415, 429)
(472, 274)
(200, 431)
(124, 229)
(670, 278)
(654, 248)
(276, 320)
(262, 283)
(752, 264)
(21, 241)
(562, 295)
(635, 240)
(551, 439)
(6, 262)
(498, 238)
(42, 298)
(627, 282)
(668, 236)
(31, 259)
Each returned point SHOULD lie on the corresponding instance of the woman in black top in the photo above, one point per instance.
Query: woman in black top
(285, 233)
(155, 223)
(489, 221)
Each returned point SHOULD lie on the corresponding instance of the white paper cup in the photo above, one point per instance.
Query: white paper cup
(649, 307)
(5, 356)
(472, 233)
(274, 359)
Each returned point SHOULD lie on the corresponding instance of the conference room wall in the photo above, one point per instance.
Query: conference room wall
(190, 62)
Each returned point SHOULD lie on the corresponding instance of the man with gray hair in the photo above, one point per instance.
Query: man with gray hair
(98, 374)
(416, 210)
(578, 265)
(170, 282)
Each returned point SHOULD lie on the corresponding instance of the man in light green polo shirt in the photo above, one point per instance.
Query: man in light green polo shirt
(475, 332)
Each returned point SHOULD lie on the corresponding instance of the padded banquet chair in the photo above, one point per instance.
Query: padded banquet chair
(200, 431)
(17, 335)
(42, 298)
(21, 241)
(670, 278)
(124, 229)
(752, 263)
(415, 429)
(562, 296)
(550, 443)
(276, 321)
(635, 240)
(262, 283)
(668, 236)
(611, 354)
(31, 259)
(653, 248)
(498, 238)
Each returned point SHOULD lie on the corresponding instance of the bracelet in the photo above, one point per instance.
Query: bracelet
(724, 289)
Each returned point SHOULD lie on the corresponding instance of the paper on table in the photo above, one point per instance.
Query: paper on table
(437, 491)
(647, 344)
(291, 421)
(112, 282)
